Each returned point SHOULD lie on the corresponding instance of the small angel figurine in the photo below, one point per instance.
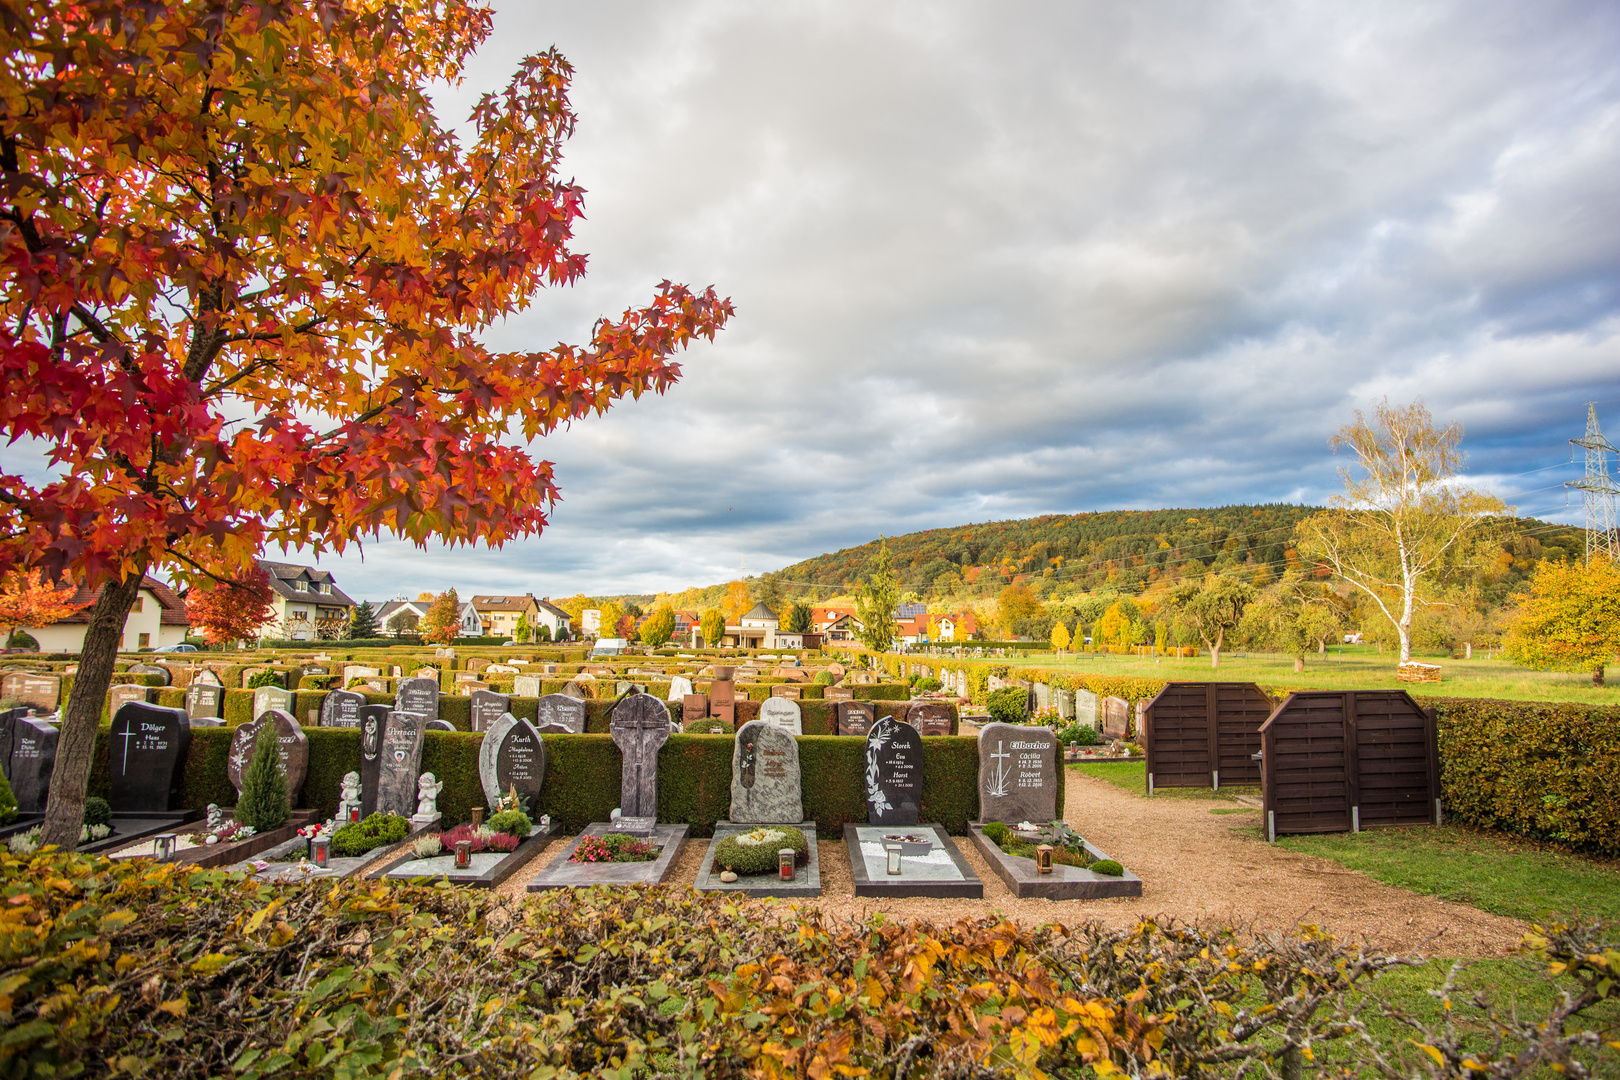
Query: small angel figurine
(428, 787)
(351, 787)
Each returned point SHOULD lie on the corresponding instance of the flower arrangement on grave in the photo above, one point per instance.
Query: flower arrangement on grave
(614, 847)
(1047, 716)
(482, 838)
(1068, 848)
(754, 852)
(315, 832)
(223, 832)
(26, 843)
(359, 837)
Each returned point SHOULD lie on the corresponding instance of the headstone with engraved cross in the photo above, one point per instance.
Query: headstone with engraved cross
(146, 749)
(640, 727)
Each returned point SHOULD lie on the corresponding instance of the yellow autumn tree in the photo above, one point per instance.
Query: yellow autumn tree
(1570, 618)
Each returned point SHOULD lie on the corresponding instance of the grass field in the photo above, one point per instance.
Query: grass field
(1352, 667)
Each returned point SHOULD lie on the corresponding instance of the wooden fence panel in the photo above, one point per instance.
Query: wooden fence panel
(1199, 734)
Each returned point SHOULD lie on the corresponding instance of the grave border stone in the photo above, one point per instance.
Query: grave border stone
(969, 888)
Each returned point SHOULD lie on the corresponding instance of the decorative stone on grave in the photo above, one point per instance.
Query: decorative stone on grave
(1085, 708)
(488, 707)
(166, 676)
(35, 691)
(1116, 717)
(556, 711)
(792, 693)
(419, 695)
(1017, 774)
(894, 769)
(680, 687)
(500, 669)
(929, 865)
(204, 701)
(640, 727)
(856, 717)
(838, 693)
(32, 759)
(373, 720)
(930, 718)
(146, 751)
(291, 745)
(401, 762)
(512, 755)
(785, 714)
(765, 783)
(526, 686)
(266, 698)
(341, 708)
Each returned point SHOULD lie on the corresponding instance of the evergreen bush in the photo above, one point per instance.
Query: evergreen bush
(1107, 866)
(8, 802)
(263, 803)
(264, 678)
(97, 811)
(512, 823)
(1009, 704)
(359, 837)
(754, 852)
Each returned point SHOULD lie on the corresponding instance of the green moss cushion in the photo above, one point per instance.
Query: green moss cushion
(754, 852)
(359, 837)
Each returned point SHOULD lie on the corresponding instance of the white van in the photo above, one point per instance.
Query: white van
(609, 646)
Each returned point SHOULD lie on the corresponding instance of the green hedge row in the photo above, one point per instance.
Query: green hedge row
(1541, 769)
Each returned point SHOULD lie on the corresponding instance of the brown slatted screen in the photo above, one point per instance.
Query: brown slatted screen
(1190, 725)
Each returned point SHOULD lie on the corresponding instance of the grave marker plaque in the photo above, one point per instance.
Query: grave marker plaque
(8, 728)
(401, 762)
(784, 714)
(526, 686)
(894, 768)
(930, 718)
(117, 695)
(204, 701)
(765, 782)
(35, 691)
(146, 750)
(292, 746)
(1017, 774)
(33, 758)
(512, 755)
(783, 690)
(640, 727)
(855, 717)
(419, 695)
(266, 698)
(341, 708)
(838, 693)
(561, 711)
(372, 720)
(488, 707)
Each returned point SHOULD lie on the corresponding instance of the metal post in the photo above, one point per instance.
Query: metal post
(1439, 818)
(1150, 783)
(1355, 819)
(1271, 826)
(1216, 774)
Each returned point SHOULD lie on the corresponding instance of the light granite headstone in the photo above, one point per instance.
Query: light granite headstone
(1017, 773)
(37, 691)
(419, 695)
(291, 744)
(32, 760)
(266, 698)
(526, 686)
(401, 762)
(560, 711)
(208, 677)
(894, 770)
(679, 687)
(1065, 704)
(765, 783)
(512, 755)
(1043, 696)
(855, 717)
(640, 727)
(1085, 708)
(783, 713)
(488, 707)
(372, 720)
(341, 708)
(501, 669)
(146, 751)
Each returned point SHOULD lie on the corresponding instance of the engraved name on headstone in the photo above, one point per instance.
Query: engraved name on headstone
(513, 755)
(765, 782)
(559, 711)
(488, 707)
(1017, 773)
(146, 751)
(341, 708)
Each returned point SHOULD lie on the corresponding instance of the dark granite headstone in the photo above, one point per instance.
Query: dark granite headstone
(488, 707)
(894, 768)
(1017, 774)
(512, 755)
(401, 762)
(372, 720)
(33, 756)
(855, 717)
(146, 752)
(438, 725)
(204, 701)
(765, 783)
(8, 728)
(165, 676)
(420, 696)
(930, 718)
(341, 708)
(38, 691)
(561, 710)
(640, 727)
(291, 743)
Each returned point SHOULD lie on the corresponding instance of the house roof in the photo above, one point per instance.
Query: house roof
(389, 608)
(518, 602)
(547, 605)
(282, 575)
(174, 608)
(908, 611)
(760, 611)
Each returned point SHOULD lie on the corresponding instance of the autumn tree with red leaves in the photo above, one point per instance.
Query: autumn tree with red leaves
(245, 276)
(27, 600)
(232, 610)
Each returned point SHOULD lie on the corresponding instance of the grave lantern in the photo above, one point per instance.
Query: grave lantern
(784, 863)
(354, 813)
(1043, 858)
(893, 852)
(319, 848)
(164, 845)
(463, 854)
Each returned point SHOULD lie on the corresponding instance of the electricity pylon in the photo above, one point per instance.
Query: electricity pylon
(1598, 490)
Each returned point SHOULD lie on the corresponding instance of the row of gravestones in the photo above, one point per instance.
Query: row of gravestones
(853, 717)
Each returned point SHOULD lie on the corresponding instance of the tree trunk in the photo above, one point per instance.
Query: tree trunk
(76, 746)
(1299, 664)
(1597, 675)
(1215, 650)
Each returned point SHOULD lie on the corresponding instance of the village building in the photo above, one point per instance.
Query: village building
(157, 618)
(306, 604)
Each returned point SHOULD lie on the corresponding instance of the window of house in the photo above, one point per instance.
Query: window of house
(139, 603)
(144, 641)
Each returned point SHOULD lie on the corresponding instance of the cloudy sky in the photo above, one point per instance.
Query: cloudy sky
(998, 260)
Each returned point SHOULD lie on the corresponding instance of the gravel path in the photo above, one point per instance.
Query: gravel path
(1195, 865)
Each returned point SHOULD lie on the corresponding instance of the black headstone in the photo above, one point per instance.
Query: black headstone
(8, 725)
(488, 707)
(855, 717)
(341, 708)
(512, 755)
(419, 696)
(205, 701)
(373, 720)
(33, 756)
(894, 768)
(401, 762)
(147, 750)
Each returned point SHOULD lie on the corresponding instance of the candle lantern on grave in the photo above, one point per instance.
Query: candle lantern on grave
(784, 863)
(1043, 858)
(320, 849)
(893, 853)
(463, 854)
(164, 846)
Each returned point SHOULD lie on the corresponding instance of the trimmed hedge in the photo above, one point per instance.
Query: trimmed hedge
(1545, 770)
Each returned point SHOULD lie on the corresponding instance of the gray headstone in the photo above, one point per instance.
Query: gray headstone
(765, 784)
(341, 708)
(1065, 704)
(32, 759)
(401, 763)
(512, 755)
(205, 701)
(1043, 696)
(679, 687)
(488, 707)
(930, 718)
(560, 710)
(1085, 708)
(1017, 774)
(207, 677)
(146, 752)
(266, 698)
(419, 696)
(640, 727)
(359, 671)
(894, 770)
(291, 744)
(124, 692)
(165, 676)
(372, 720)
(526, 686)
(783, 713)
(855, 717)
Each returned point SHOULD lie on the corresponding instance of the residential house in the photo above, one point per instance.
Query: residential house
(957, 626)
(472, 624)
(500, 614)
(399, 617)
(755, 630)
(551, 615)
(842, 628)
(823, 616)
(157, 618)
(306, 604)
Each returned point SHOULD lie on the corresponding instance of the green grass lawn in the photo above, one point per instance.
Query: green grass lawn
(1350, 668)
(1132, 776)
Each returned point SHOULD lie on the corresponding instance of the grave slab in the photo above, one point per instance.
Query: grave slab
(562, 874)
(487, 870)
(1063, 883)
(941, 873)
(806, 879)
